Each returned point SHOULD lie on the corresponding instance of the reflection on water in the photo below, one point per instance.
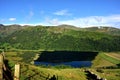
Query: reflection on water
(72, 63)
(69, 58)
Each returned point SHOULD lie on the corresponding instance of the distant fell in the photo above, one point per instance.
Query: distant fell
(61, 38)
(104, 29)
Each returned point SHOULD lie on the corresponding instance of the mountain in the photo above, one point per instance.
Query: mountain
(8, 29)
(62, 38)
(104, 29)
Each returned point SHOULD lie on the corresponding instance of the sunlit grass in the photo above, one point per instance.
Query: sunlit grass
(100, 61)
(111, 59)
(32, 72)
(110, 74)
(61, 74)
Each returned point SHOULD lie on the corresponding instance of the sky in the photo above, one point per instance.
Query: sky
(80, 13)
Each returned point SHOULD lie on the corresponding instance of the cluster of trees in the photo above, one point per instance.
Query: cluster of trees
(61, 39)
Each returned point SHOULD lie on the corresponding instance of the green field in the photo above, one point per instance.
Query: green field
(25, 44)
(32, 72)
(103, 60)
(38, 73)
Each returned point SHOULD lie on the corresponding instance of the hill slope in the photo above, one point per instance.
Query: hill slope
(107, 30)
(62, 38)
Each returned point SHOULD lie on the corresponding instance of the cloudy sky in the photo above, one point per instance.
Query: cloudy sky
(80, 13)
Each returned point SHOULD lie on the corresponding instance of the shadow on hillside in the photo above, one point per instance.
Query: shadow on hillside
(7, 73)
(66, 56)
(53, 78)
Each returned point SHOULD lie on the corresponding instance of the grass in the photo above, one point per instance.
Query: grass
(112, 74)
(103, 60)
(99, 61)
(21, 56)
(32, 72)
(109, 74)
(114, 55)
(108, 58)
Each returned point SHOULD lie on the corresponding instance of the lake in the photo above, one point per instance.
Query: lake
(69, 58)
(75, 64)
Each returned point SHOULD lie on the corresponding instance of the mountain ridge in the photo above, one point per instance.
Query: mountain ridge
(62, 38)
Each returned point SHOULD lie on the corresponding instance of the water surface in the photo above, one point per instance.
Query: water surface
(76, 64)
(71, 58)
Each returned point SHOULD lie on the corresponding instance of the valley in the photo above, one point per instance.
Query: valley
(62, 46)
(105, 68)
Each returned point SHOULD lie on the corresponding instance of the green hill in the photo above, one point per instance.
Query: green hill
(32, 72)
(24, 43)
(105, 29)
(61, 38)
(6, 30)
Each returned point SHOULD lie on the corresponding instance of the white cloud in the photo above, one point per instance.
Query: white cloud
(23, 24)
(12, 19)
(54, 21)
(62, 13)
(111, 20)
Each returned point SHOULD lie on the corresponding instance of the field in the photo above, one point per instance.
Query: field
(111, 74)
(114, 55)
(106, 60)
(31, 72)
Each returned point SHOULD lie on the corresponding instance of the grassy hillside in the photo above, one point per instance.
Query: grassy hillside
(109, 74)
(104, 29)
(37, 73)
(23, 44)
(105, 60)
(32, 72)
(6, 30)
(61, 38)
